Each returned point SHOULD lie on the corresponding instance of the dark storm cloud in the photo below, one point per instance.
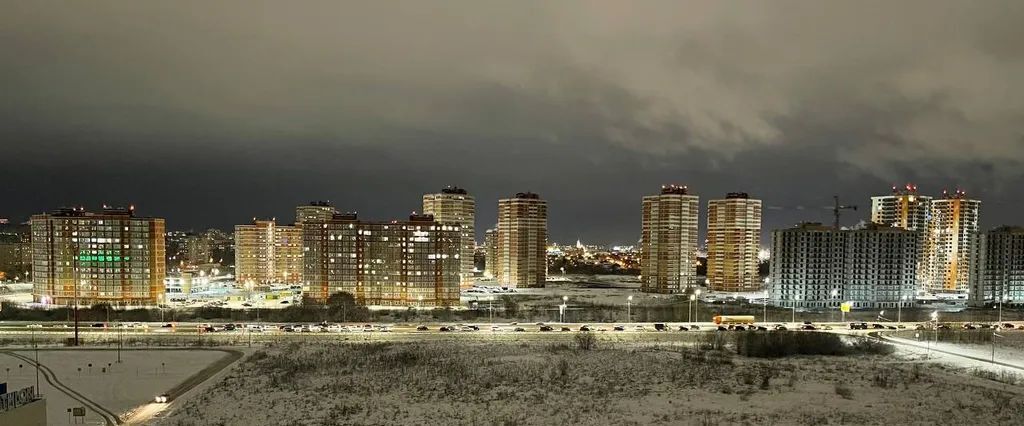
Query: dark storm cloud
(211, 113)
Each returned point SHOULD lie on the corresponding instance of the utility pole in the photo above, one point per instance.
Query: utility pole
(837, 208)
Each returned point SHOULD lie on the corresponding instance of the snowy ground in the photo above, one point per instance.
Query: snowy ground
(618, 383)
(135, 381)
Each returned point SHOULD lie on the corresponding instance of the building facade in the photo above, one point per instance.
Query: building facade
(998, 267)
(521, 246)
(455, 205)
(668, 243)
(268, 253)
(952, 242)
(315, 210)
(15, 252)
(734, 241)
(906, 209)
(818, 267)
(110, 257)
(409, 263)
(491, 250)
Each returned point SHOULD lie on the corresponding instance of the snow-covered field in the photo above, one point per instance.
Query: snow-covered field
(139, 377)
(617, 383)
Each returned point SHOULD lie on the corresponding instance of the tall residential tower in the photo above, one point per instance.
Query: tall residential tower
(668, 244)
(734, 240)
(522, 239)
(952, 242)
(906, 209)
(454, 205)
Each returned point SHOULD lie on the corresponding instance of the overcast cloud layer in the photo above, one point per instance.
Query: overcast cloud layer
(211, 113)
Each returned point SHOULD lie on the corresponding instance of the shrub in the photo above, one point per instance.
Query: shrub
(844, 391)
(585, 341)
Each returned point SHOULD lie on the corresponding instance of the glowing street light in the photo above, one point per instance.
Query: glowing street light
(561, 309)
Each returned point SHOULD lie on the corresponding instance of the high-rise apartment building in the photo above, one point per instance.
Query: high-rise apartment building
(15, 251)
(491, 252)
(998, 268)
(268, 253)
(409, 263)
(668, 243)
(315, 210)
(455, 205)
(522, 241)
(110, 257)
(734, 240)
(952, 242)
(906, 209)
(816, 266)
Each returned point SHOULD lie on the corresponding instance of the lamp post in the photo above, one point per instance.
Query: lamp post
(1000, 321)
(899, 309)
(689, 310)
(795, 299)
(935, 318)
(629, 300)
(832, 298)
(764, 303)
(561, 309)
(696, 305)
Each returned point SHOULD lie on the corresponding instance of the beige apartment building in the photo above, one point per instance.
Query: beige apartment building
(521, 243)
(734, 240)
(110, 257)
(952, 242)
(413, 263)
(268, 253)
(455, 205)
(668, 246)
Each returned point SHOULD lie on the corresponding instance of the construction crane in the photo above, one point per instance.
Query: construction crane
(838, 208)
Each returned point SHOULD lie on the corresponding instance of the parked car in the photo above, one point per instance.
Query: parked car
(808, 327)
(780, 327)
(566, 329)
(694, 327)
(584, 328)
(518, 329)
(639, 328)
(659, 327)
(1007, 325)
(422, 328)
(683, 328)
(619, 328)
(546, 328)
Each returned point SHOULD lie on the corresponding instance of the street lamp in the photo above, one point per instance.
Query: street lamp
(1001, 299)
(696, 306)
(935, 318)
(690, 309)
(899, 309)
(764, 303)
(832, 314)
(561, 309)
(629, 300)
(795, 299)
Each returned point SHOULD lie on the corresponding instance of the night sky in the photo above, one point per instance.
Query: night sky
(210, 113)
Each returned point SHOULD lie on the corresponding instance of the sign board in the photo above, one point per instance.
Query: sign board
(845, 306)
(78, 411)
(12, 400)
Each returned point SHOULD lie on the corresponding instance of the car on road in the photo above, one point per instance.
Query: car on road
(858, 326)
(566, 329)
(247, 305)
(723, 328)
(739, 328)
(546, 328)
(160, 399)
(495, 328)
(639, 328)
(943, 327)
(34, 326)
(809, 327)
(659, 327)
(619, 328)
(762, 328)
(780, 327)
(1007, 325)
(683, 328)
(694, 327)
(422, 328)
(585, 328)
(519, 329)
(285, 302)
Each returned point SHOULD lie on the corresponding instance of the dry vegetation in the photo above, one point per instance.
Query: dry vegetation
(588, 381)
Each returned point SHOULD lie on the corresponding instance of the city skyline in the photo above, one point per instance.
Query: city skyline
(214, 126)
